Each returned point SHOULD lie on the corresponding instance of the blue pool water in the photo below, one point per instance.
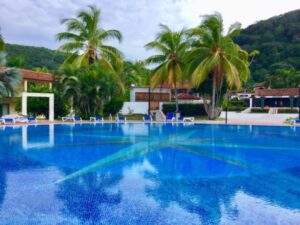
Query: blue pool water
(149, 174)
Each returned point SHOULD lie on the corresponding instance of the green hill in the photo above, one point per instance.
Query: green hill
(278, 41)
(31, 57)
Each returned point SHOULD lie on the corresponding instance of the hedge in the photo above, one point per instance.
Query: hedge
(287, 111)
(236, 108)
(260, 110)
(185, 109)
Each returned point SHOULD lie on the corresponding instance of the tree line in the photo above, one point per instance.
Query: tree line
(94, 75)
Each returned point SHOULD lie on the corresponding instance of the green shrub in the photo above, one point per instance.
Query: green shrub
(238, 105)
(186, 109)
(236, 108)
(259, 110)
(287, 111)
(113, 107)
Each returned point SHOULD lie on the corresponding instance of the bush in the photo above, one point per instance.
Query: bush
(113, 107)
(186, 109)
(259, 110)
(287, 110)
(236, 108)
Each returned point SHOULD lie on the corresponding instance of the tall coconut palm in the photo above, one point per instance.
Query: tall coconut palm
(85, 39)
(171, 47)
(215, 55)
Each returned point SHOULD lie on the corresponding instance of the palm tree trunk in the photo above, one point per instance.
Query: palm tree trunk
(176, 99)
(213, 100)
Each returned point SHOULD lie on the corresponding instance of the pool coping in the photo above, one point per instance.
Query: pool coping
(208, 122)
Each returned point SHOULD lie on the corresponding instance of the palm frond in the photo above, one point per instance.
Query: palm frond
(203, 69)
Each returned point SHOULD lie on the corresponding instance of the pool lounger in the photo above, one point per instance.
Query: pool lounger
(186, 119)
(170, 117)
(8, 121)
(147, 118)
(67, 118)
(296, 121)
(71, 118)
(77, 119)
(97, 118)
(121, 119)
(32, 120)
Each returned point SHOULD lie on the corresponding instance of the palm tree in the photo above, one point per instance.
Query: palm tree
(1, 44)
(2, 53)
(135, 73)
(171, 47)
(216, 56)
(9, 78)
(85, 40)
(87, 89)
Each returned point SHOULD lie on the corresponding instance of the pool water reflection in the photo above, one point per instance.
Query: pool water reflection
(149, 174)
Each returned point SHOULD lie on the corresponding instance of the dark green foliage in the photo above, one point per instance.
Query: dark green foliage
(113, 106)
(259, 110)
(186, 109)
(33, 57)
(278, 41)
(18, 61)
(89, 89)
(238, 105)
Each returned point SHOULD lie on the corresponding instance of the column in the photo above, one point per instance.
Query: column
(25, 85)
(292, 102)
(51, 107)
(251, 102)
(262, 102)
(24, 104)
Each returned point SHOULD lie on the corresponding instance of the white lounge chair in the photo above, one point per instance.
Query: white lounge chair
(67, 118)
(97, 118)
(14, 118)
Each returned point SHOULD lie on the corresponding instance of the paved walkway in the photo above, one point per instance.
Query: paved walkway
(258, 118)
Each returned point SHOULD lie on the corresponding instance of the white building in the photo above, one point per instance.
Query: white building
(8, 104)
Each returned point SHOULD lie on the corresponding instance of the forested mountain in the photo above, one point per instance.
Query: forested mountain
(278, 41)
(31, 57)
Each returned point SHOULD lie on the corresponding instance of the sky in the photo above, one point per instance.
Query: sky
(35, 22)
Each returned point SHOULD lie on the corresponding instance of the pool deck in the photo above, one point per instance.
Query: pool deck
(230, 122)
(233, 119)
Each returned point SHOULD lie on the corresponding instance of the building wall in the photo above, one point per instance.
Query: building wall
(134, 108)
(11, 102)
(278, 102)
(145, 90)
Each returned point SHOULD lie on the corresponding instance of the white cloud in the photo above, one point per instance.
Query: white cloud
(35, 22)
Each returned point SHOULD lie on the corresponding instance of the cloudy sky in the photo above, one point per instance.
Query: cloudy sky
(35, 22)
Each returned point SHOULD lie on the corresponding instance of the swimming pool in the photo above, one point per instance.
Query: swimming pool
(149, 174)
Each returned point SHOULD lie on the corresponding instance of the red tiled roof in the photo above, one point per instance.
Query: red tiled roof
(183, 96)
(277, 92)
(33, 75)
